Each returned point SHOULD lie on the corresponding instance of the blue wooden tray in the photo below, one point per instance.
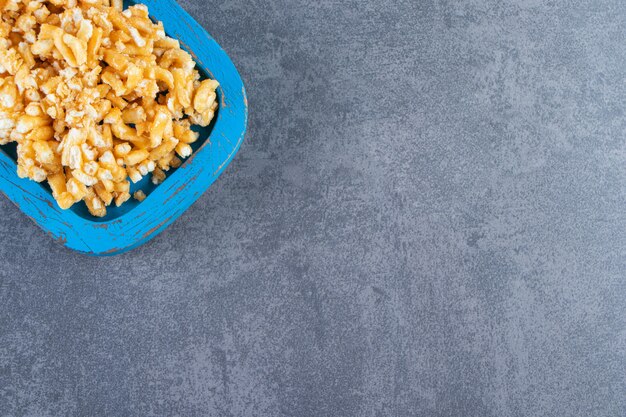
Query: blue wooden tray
(135, 223)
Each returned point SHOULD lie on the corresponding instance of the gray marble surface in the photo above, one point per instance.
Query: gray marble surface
(427, 219)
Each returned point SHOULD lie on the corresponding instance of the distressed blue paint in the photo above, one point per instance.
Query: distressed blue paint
(135, 223)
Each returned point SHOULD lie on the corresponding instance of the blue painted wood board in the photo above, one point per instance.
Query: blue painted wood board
(134, 223)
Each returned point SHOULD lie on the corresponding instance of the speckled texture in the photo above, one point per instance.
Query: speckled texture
(427, 218)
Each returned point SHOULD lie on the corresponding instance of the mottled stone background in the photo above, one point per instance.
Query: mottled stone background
(427, 219)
